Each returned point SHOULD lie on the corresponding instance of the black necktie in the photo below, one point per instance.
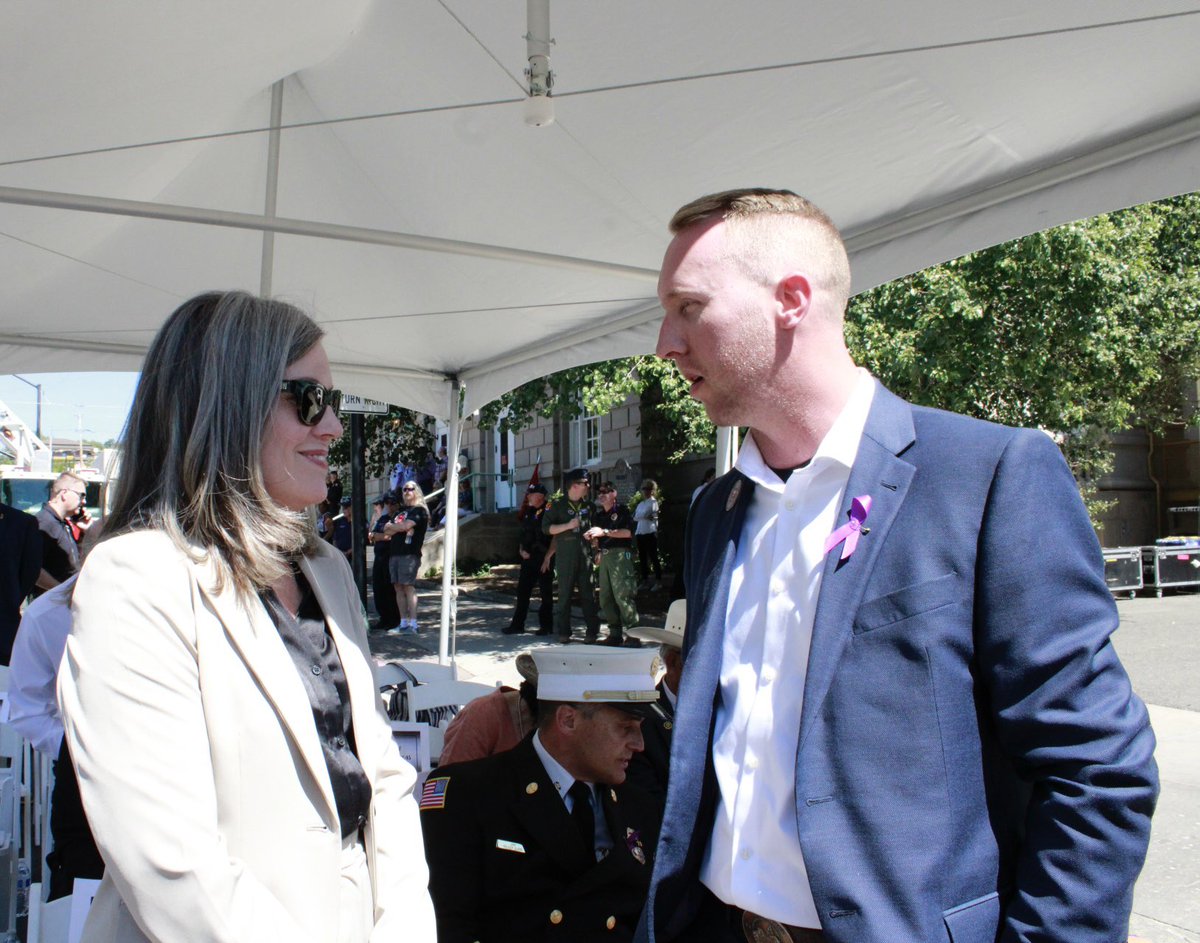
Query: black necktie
(582, 815)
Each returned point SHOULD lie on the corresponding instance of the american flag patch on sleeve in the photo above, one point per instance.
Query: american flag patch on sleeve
(433, 793)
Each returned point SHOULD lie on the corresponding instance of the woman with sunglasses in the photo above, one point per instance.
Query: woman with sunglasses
(217, 690)
(407, 531)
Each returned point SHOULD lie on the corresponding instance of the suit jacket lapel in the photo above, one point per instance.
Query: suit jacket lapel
(877, 472)
(256, 639)
(620, 859)
(720, 511)
(543, 812)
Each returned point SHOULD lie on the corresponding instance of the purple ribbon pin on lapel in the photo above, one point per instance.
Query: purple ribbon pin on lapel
(847, 535)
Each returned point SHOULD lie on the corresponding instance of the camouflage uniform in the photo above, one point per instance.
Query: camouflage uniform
(618, 581)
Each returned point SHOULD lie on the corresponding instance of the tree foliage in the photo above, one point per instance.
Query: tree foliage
(1082, 330)
(670, 417)
(401, 434)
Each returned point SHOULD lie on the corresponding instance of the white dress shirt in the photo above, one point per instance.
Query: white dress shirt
(754, 859)
(36, 655)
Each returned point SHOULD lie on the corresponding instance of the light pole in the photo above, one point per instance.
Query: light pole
(37, 423)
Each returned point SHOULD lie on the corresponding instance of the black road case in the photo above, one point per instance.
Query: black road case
(1123, 569)
(1171, 566)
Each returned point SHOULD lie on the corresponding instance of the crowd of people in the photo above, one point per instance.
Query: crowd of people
(891, 702)
(588, 547)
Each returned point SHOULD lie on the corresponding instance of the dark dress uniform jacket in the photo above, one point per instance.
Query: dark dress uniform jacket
(507, 864)
(649, 769)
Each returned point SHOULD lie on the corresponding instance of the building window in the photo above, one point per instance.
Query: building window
(585, 440)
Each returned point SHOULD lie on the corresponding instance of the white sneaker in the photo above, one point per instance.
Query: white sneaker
(396, 630)
(410, 629)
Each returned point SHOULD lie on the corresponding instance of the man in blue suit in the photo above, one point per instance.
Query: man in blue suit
(901, 719)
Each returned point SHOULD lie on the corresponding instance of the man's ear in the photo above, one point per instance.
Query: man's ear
(565, 718)
(794, 296)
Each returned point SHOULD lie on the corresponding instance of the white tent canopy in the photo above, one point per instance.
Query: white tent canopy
(367, 159)
(434, 235)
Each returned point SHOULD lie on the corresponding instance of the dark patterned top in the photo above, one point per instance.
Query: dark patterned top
(308, 641)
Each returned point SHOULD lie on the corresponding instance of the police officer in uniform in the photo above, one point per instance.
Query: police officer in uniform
(568, 520)
(535, 565)
(612, 534)
(545, 842)
(381, 579)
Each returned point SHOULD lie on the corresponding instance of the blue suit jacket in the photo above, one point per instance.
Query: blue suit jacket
(972, 764)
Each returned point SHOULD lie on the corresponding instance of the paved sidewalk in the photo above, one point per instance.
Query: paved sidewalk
(1159, 642)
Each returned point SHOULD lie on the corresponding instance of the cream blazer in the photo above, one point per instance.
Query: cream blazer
(199, 762)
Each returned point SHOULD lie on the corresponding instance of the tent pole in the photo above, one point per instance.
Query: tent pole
(140, 209)
(450, 535)
(727, 447)
(268, 244)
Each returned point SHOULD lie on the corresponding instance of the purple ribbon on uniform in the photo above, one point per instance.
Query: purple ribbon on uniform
(847, 535)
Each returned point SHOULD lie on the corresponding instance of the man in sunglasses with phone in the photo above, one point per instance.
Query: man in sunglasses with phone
(60, 550)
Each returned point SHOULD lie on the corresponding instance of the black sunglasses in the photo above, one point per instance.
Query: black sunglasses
(606, 491)
(312, 399)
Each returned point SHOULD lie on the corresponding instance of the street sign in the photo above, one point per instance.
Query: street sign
(357, 404)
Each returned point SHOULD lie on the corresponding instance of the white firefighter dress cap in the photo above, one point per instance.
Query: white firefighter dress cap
(587, 674)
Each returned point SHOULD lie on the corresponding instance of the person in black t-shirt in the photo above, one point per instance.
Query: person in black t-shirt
(535, 565)
(407, 530)
(387, 507)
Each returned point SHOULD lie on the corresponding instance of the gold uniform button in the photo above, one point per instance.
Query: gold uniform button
(531, 789)
(613, 793)
(556, 917)
(611, 923)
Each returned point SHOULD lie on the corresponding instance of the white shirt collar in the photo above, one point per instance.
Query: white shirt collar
(838, 447)
(558, 774)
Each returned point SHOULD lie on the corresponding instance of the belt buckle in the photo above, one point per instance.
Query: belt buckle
(762, 930)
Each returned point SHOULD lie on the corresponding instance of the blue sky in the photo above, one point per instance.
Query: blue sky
(98, 401)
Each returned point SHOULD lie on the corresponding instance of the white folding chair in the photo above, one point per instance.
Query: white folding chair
(391, 673)
(9, 849)
(441, 694)
(424, 697)
(48, 923)
(427, 671)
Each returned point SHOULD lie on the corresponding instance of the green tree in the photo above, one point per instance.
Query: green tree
(400, 434)
(1082, 330)
(670, 417)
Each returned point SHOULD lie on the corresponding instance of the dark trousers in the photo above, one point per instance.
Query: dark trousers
(385, 593)
(75, 854)
(531, 576)
(573, 569)
(647, 547)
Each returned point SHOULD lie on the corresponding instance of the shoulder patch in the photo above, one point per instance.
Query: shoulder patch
(433, 793)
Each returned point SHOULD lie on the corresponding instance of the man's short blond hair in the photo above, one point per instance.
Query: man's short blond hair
(775, 232)
(64, 482)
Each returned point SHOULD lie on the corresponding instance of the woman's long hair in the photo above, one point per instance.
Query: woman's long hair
(192, 462)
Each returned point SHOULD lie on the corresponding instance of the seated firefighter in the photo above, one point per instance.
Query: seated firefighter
(544, 842)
